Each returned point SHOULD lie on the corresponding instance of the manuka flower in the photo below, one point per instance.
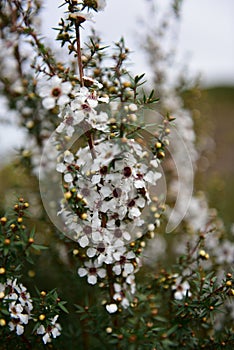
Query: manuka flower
(54, 92)
(181, 289)
(111, 308)
(52, 330)
(18, 317)
(92, 270)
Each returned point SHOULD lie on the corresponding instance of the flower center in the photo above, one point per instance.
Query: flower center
(122, 260)
(139, 176)
(127, 171)
(118, 233)
(85, 192)
(87, 230)
(23, 296)
(92, 270)
(117, 192)
(56, 92)
(86, 107)
(101, 248)
(69, 120)
(131, 203)
(103, 170)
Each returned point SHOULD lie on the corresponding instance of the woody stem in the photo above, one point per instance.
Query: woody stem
(79, 60)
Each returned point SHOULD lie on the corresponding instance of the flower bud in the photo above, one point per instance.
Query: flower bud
(2, 322)
(108, 330)
(160, 154)
(84, 216)
(67, 195)
(3, 220)
(127, 84)
(158, 145)
(75, 252)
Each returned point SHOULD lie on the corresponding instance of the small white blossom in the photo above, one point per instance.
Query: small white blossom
(123, 264)
(225, 253)
(16, 311)
(132, 107)
(181, 289)
(111, 308)
(53, 330)
(92, 270)
(19, 328)
(54, 92)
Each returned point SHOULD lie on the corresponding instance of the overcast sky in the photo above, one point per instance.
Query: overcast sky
(205, 35)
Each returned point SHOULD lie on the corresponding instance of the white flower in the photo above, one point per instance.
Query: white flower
(92, 270)
(14, 325)
(16, 311)
(132, 107)
(111, 308)
(24, 297)
(99, 121)
(83, 241)
(19, 294)
(81, 16)
(133, 207)
(54, 92)
(123, 265)
(120, 295)
(225, 253)
(12, 295)
(92, 82)
(181, 289)
(54, 330)
(151, 227)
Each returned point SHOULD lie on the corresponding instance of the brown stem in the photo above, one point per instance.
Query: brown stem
(110, 278)
(217, 290)
(77, 25)
(91, 144)
(46, 56)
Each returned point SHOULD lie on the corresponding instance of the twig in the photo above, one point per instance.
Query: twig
(77, 27)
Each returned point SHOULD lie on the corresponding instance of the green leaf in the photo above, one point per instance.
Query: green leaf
(173, 329)
(62, 307)
(39, 247)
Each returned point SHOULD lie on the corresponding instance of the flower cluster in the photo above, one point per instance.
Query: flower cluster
(107, 187)
(110, 178)
(19, 306)
(52, 330)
